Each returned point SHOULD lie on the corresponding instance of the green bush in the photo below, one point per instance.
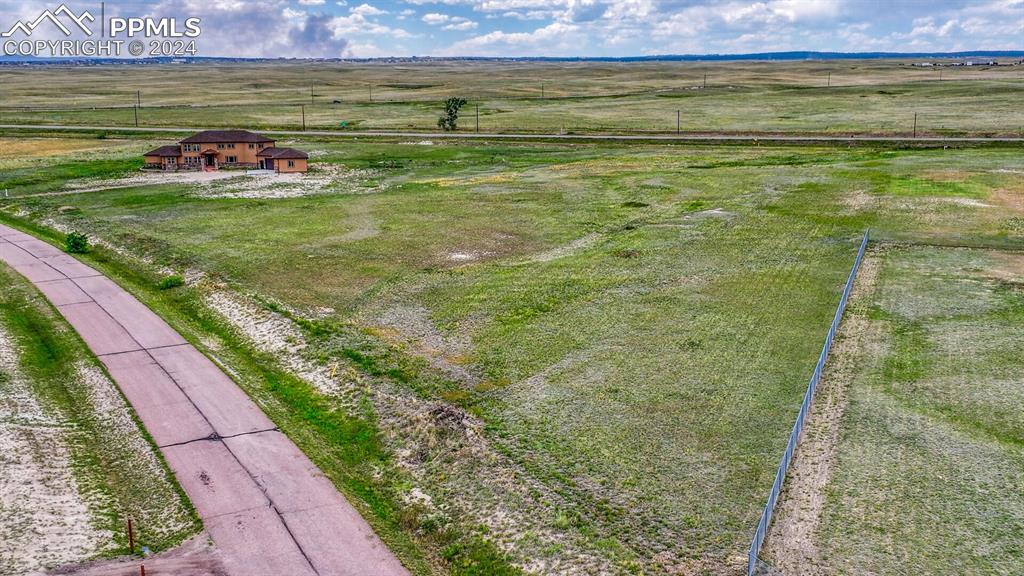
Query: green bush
(172, 281)
(76, 243)
(451, 114)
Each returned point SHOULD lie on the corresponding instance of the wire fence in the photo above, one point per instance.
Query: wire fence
(753, 562)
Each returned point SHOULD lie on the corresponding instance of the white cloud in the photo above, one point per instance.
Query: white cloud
(450, 22)
(577, 27)
(435, 19)
(461, 24)
(367, 10)
(554, 38)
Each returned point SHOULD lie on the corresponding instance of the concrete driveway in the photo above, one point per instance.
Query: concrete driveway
(269, 510)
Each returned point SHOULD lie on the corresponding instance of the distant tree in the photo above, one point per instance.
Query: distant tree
(451, 113)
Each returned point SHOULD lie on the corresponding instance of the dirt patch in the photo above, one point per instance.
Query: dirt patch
(362, 222)
(195, 557)
(966, 202)
(144, 179)
(455, 475)
(262, 184)
(45, 519)
(466, 256)
(569, 249)
(792, 542)
(1010, 198)
(1008, 266)
(321, 179)
(278, 335)
(948, 175)
(859, 200)
(711, 213)
(411, 327)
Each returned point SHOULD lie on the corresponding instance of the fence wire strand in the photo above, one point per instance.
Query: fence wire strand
(753, 561)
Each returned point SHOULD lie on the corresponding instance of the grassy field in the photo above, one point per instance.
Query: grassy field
(831, 97)
(76, 465)
(572, 358)
(933, 430)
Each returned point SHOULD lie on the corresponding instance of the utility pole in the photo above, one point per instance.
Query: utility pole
(371, 92)
(303, 106)
(138, 98)
(136, 115)
(829, 84)
(705, 80)
(915, 124)
(477, 117)
(677, 120)
(310, 94)
(542, 91)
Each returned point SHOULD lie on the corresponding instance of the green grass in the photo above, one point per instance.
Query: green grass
(346, 446)
(105, 459)
(866, 97)
(929, 471)
(633, 325)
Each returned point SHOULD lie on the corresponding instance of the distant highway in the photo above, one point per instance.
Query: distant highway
(518, 136)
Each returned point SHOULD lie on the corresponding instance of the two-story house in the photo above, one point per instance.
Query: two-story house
(213, 149)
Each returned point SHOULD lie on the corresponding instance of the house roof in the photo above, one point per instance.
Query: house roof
(283, 154)
(225, 136)
(171, 150)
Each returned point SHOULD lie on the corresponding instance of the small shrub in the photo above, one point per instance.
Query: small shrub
(626, 253)
(76, 243)
(172, 281)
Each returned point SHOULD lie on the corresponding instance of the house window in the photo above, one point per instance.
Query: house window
(251, 146)
(172, 161)
(261, 146)
(291, 163)
(231, 146)
(231, 159)
(191, 147)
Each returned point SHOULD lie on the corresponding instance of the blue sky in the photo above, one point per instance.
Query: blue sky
(354, 28)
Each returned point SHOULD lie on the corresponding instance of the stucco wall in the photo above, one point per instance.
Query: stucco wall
(241, 150)
(300, 165)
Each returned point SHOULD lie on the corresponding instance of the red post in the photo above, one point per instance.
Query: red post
(142, 570)
(131, 537)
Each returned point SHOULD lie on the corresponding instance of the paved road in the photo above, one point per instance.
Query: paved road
(597, 137)
(268, 508)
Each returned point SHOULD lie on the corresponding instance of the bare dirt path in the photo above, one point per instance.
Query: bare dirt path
(195, 557)
(791, 546)
(523, 136)
(267, 508)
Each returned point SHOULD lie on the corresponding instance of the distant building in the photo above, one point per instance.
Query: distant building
(214, 149)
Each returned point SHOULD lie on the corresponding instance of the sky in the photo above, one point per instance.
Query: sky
(508, 28)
